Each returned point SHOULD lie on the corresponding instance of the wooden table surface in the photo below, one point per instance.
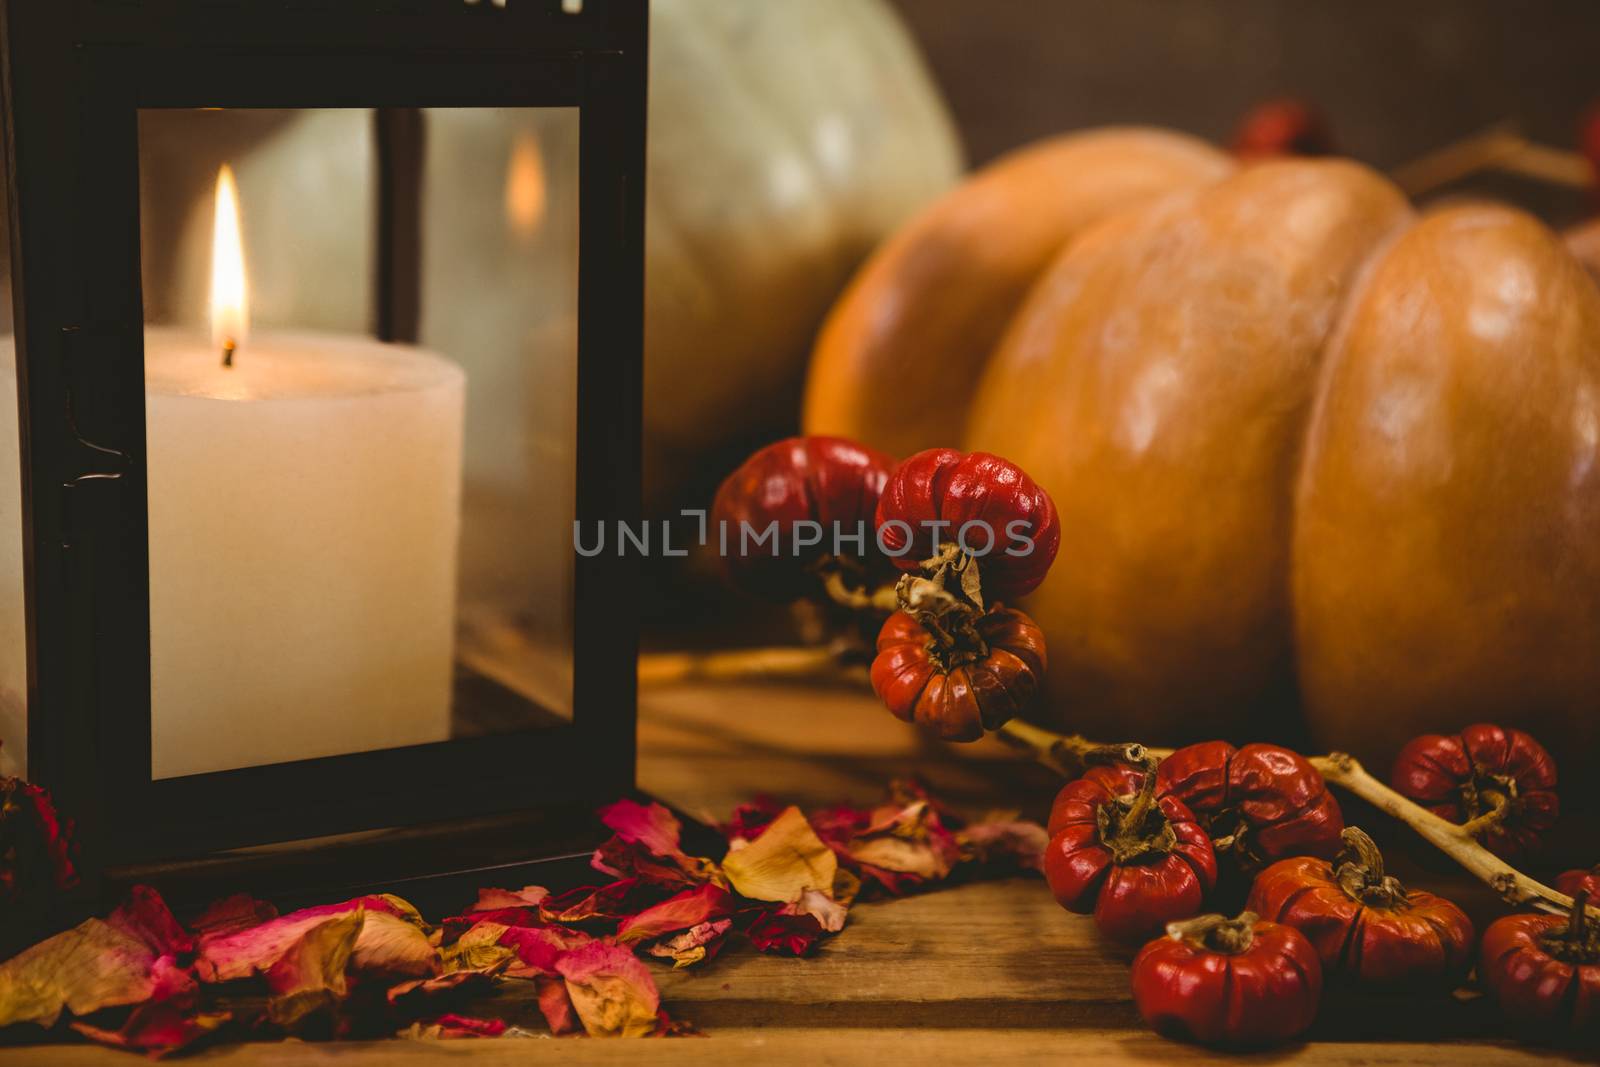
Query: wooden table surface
(979, 974)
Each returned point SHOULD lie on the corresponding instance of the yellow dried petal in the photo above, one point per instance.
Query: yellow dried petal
(787, 859)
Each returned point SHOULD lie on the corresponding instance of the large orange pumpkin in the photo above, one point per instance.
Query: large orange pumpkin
(902, 350)
(1312, 455)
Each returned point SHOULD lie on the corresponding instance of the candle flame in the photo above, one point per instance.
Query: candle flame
(230, 294)
(525, 193)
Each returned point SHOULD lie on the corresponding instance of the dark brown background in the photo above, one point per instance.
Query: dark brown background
(1396, 77)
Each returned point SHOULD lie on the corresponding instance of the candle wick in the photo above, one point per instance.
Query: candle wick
(228, 348)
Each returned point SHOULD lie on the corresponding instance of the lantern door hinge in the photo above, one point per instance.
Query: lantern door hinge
(88, 355)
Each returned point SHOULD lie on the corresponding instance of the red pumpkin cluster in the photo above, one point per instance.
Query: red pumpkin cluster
(1134, 860)
(1223, 981)
(1140, 850)
(1544, 971)
(802, 489)
(1364, 924)
(1259, 803)
(1501, 781)
(968, 532)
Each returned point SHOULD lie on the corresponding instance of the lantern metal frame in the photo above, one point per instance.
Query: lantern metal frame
(76, 75)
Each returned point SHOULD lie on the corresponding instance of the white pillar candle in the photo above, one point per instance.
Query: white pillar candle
(304, 514)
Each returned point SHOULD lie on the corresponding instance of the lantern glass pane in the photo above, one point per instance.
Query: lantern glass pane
(361, 446)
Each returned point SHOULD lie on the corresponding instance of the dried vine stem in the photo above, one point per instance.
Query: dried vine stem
(661, 668)
(1452, 839)
(1069, 754)
(1066, 754)
(880, 600)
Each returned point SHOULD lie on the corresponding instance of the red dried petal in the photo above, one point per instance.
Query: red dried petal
(773, 930)
(689, 908)
(556, 1006)
(145, 915)
(242, 953)
(456, 925)
(424, 994)
(231, 914)
(646, 846)
(541, 948)
(619, 899)
(170, 1020)
(748, 820)
(451, 1027)
(997, 841)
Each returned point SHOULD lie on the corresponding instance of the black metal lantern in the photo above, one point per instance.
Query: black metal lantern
(247, 617)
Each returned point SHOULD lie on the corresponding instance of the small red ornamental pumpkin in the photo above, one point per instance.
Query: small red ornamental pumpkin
(959, 690)
(1500, 781)
(805, 490)
(1136, 861)
(1580, 881)
(982, 504)
(1283, 127)
(1544, 971)
(1222, 981)
(1260, 803)
(1364, 924)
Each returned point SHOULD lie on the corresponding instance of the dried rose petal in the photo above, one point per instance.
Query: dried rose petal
(37, 848)
(309, 977)
(646, 846)
(456, 925)
(92, 966)
(689, 908)
(391, 945)
(556, 1005)
(1002, 837)
(607, 902)
(477, 949)
(36, 844)
(145, 915)
(775, 930)
(541, 948)
(242, 953)
(748, 820)
(904, 846)
(611, 990)
(529, 896)
(829, 913)
(413, 994)
(695, 945)
(787, 859)
(231, 914)
(450, 1027)
(170, 1020)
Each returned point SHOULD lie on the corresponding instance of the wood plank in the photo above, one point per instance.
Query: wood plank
(709, 747)
(980, 973)
(777, 1047)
